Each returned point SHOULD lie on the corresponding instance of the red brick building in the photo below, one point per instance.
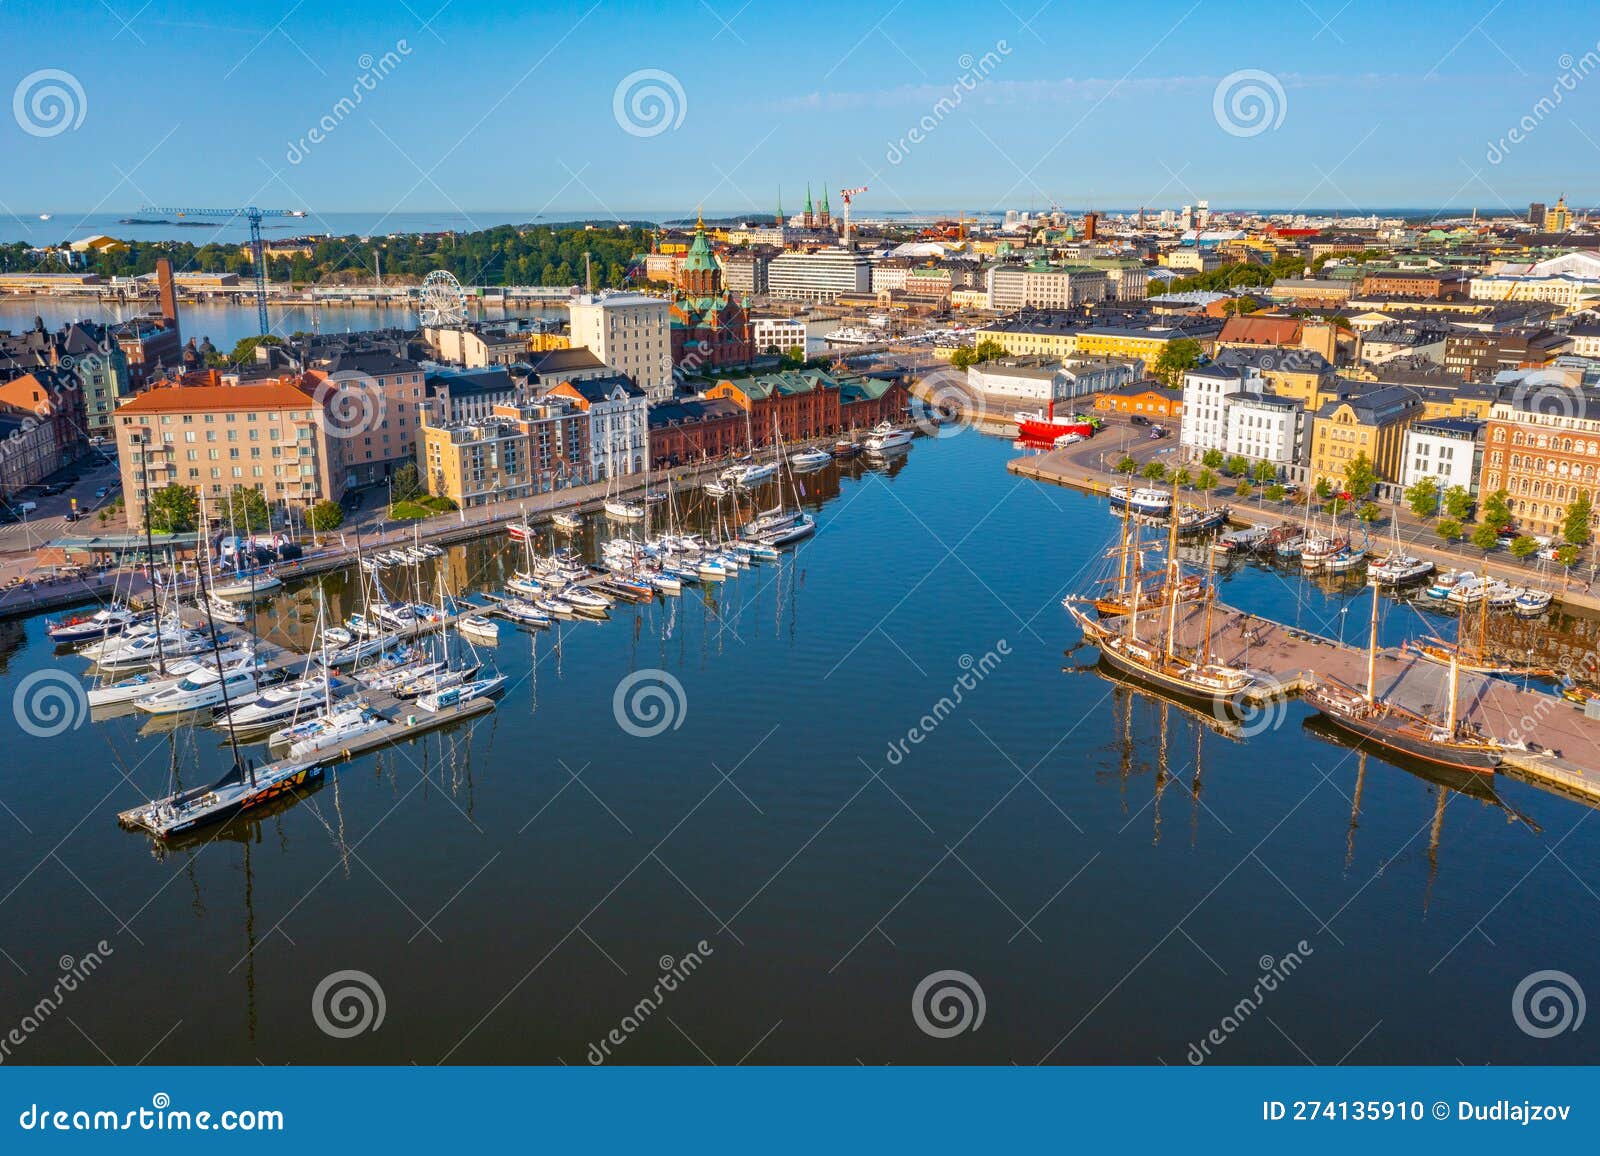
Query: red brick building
(710, 326)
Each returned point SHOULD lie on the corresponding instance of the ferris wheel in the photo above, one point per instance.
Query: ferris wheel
(442, 301)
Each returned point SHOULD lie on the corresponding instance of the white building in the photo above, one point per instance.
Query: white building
(1042, 380)
(818, 276)
(1023, 287)
(1563, 289)
(619, 428)
(1205, 404)
(1129, 282)
(1265, 427)
(630, 333)
(1585, 337)
(780, 333)
(1448, 449)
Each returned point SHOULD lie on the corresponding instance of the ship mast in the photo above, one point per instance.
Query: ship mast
(1450, 720)
(1172, 570)
(1372, 654)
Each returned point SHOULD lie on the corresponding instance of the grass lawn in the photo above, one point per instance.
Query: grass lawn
(423, 507)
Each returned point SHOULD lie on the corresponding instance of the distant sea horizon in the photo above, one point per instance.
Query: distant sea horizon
(64, 225)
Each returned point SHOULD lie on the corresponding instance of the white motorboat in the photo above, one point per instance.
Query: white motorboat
(567, 521)
(583, 599)
(329, 730)
(1530, 603)
(802, 527)
(224, 611)
(712, 569)
(524, 613)
(1467, 591)
(355, 651)
(524, 583)
(247, 586)
(623, 510)
(664, 581)
(338, 636)
(1398, 569)
(151, 681)
(716, 488)
(479, 627)
(1145, 500)
(751, 475)
(399, 615)
(113, 619)
(887, 436)
(810, 460)
(389, 677)
(206, 687)
(466, 692)
(555, 606)
(147, 649)
(286, 700)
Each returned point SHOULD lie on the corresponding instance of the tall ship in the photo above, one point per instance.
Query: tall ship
(1448, 742)
(1156, 657)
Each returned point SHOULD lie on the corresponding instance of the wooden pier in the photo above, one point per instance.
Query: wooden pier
(1283, 658)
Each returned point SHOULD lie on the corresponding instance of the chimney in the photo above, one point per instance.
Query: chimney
(169, 294)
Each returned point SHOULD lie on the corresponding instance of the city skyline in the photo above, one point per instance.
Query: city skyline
(618, 109)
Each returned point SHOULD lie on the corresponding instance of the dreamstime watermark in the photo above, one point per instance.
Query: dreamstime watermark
(1264, 710)
(649, 702)
(950, 403)
(1249, 102)
(352, 402)
(49, 102)
(976, 670)
(1547, 1004)
(61, 381)
(1273, 973)
(1573, 72)
(948, 1003)
(73, 973)
(49, 703)
(673, 973)
(160, 1116)
(374, 70)
(1548, 393)
(348, 1003)
(973, 72)
(649, 102)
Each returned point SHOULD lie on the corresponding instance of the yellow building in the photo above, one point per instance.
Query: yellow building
(1373, 423)
(517, 452)
(1558, 218)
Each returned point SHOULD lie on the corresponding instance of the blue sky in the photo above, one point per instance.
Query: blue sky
(515, 106)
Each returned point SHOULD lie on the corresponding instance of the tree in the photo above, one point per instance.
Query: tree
(1458, 503)
(989, 349)
(964, 357)
(1127, 465)
(1207, 480)
(1239, 465)
(1496, 510)
(1369, 512)
(173, 510)
(1243, 489)
(1359, 476)
(1568, 556)
(1183, 477)
(1323, 489)
(1155, 471)
(1274, 493)
(1523, 546)
(245, 511)
(1176, 359)
(1423, 498)
(406, 482)
(1484, 537)
(1575, 525)
(1212, 459)
(325, 515)
(1449, 529)
(1264, 472)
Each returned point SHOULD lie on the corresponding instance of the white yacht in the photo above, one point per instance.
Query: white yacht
(810, 460)
(205, 687)
(482, 628)
(466, 692)
(624, 510)
(888, 436)
(153, 681)
(277, 702)
(327, 731)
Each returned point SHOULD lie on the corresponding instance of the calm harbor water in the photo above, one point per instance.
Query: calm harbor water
(1113, 872)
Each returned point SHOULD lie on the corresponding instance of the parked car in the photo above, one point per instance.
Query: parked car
(1507, 532)
(1139, 419)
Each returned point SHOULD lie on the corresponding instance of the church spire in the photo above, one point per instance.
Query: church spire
(780, 206)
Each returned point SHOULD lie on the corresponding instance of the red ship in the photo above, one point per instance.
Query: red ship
(1045, 426)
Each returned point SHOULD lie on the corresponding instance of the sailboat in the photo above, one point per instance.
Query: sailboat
(1478, 660)
(1130, 558)
(1452, 742)
(1396, 567)
(615, 505)
(1160, 662)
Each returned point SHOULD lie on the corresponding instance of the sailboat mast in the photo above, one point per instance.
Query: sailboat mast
(1450, 719)
(150, 560)
(216, 656)
(1122, 578)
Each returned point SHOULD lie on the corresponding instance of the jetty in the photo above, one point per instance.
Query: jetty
(1553, 744)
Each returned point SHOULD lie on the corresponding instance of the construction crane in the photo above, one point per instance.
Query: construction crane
(848, 195)
(257, 258)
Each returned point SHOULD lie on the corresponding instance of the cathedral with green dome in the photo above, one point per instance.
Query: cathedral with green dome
(710, 326)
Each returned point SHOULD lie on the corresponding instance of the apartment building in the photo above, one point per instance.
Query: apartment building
(619, 431)
(514, 451)
(1542, 454)
(1372, 422)
(631, 333)
(1448, 450)
(1041, 287)
(271, 437)
(1265, 427)
(1206, 391)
